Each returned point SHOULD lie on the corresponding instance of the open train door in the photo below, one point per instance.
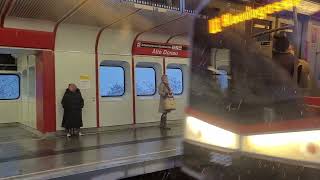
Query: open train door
(26, 79)
(249, 115)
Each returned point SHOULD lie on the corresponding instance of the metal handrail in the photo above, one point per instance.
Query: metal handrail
(273, 30)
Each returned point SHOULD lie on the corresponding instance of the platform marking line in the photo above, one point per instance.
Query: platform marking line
(45, 153)
(90, 164)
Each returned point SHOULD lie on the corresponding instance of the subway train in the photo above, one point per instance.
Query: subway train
(246, 117)
(253, 110)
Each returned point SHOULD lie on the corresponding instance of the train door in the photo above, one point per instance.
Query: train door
(148, 71)
(26, 67)
(115, 91)
(177, 70)
(152, 60)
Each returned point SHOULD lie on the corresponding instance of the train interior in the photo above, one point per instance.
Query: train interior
(236, 63)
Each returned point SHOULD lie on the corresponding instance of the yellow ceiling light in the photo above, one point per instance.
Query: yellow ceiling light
(217, 24)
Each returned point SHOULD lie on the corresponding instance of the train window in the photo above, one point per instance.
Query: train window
(231, 76)
(220, 60)
(112, 81)
(9, 87)
(260, 25)
(175, 77)
(145, 81)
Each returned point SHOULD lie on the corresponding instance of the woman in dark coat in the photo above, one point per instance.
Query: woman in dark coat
(72, 103)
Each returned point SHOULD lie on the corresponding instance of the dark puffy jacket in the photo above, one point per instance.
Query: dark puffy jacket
(72, 103)
(72, 100)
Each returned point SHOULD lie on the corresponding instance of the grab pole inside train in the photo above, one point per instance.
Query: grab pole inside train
(296, 31)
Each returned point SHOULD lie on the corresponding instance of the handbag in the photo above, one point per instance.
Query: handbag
(169, 104)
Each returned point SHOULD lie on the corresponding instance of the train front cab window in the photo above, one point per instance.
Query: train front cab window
(244, 94)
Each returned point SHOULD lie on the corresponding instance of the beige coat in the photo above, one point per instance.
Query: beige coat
(163, 92)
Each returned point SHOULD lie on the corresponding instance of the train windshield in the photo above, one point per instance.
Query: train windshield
(251, 65)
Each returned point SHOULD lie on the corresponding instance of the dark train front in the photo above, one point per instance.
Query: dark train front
(253, 102)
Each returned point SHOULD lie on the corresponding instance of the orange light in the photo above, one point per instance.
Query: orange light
(217, 24)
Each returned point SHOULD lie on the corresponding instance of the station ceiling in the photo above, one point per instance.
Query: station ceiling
(118, 14)
(100, 13)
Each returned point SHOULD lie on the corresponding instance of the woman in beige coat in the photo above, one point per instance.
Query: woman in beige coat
(164, 92)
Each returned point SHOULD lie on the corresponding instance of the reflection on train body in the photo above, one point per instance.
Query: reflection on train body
(271, 91)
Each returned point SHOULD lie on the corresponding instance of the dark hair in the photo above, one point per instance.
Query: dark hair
(281, 42)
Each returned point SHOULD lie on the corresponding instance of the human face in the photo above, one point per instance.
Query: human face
(72, 87)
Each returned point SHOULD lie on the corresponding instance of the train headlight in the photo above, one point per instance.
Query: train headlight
(303, 145)
(200, 131)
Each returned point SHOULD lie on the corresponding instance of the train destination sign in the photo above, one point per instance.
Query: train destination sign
(216, 25)
(160, 49)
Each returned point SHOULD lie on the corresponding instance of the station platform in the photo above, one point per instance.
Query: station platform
(113, 154)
